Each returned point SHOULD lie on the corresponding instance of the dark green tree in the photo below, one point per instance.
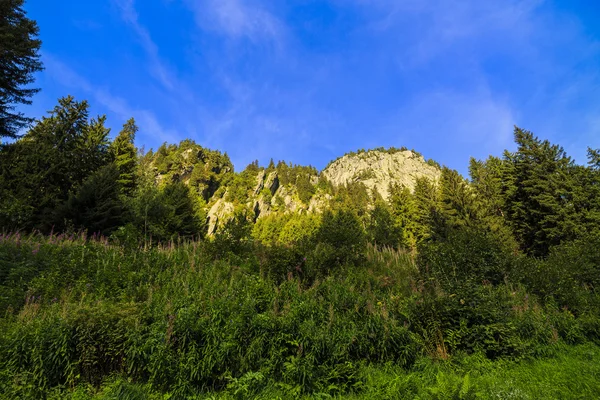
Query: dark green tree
(382, 228)
(305, 188)
(404, 211)
(125, 156)
(164, 215)
(427, 209)
(19, 61)
(341, 239)
(539, 194)
(49, 163)
(96, 206)
(458, 206)
(180, 218)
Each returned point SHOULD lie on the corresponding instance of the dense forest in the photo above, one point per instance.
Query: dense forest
(166, 274)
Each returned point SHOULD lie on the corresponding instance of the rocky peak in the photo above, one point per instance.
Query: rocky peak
(378, 169)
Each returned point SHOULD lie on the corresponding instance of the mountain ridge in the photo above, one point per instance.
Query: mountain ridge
(283, 188)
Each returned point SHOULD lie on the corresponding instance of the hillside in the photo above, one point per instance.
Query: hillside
(378, 169)
(308, 284)
(283, 188)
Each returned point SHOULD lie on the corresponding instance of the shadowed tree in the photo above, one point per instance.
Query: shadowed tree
(125, 156)
(539, 193)
(19, 61)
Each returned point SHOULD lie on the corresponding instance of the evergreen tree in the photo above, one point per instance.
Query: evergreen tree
(341, 238)
(594, 158)
(125, 156)
(299, 229)
(50, 162)
(96, 206)
(539, 194)
(19, 61)
(427, 212)
(403, 209)
(180, 218)
(458, 207)
(382, 229)
(487, 180)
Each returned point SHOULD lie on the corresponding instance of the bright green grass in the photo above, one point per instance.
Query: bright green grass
(86, 320)
(571, 372)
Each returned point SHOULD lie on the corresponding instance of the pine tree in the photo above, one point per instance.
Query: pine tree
(403, 209)
(427, 211)
(458, 206)
(180, 219)
(51, 161)
(19, 61)
(125, 156)
(539, 194)
(96, 206)
(382, 229)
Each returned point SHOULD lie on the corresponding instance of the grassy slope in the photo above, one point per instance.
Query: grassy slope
(88, 320)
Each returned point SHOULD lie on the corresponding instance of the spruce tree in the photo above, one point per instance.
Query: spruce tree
(125, 156)
(539, 193)
(49, 163)
(382, 228)
(427, 212)
(96, 206)
(19, 61)
(458, 206)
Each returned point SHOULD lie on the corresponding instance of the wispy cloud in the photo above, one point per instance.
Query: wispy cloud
(463, 124)
(237, 19)
(149, 125)
(157, 67)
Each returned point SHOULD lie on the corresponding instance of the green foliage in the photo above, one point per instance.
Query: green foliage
(340, 239)
(165, 214)
(353, 196)
(125, 156)
(538, 191)
(570, 275)
(467, 257)
(427, 209)
(204, 170)
(299, 229)
(403, 209)
(240, 187)
(305, 188)
(96, 207)
(49, 163)
(267, 229)
(83, 318)
(19, 61)
(382, 228)
(234, 237)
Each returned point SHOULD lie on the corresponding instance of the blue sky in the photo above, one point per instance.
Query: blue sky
(307, 81)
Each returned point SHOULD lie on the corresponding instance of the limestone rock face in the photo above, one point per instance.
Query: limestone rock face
(260, 182)
(261, 208)
(319, 203)
(289, 198)
(377, 169)
(220, 211)
(272, 182)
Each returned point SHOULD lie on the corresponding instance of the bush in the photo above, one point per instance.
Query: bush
(341, 241)
(467, 257)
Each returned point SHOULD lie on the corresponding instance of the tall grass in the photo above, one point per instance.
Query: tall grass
(85, 319)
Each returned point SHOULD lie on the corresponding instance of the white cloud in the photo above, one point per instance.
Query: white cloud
(236, 19)
(157, 67)
(458, 124)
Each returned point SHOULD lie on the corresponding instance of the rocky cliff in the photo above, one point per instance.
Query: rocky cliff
(282, 188)
(377, 169)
